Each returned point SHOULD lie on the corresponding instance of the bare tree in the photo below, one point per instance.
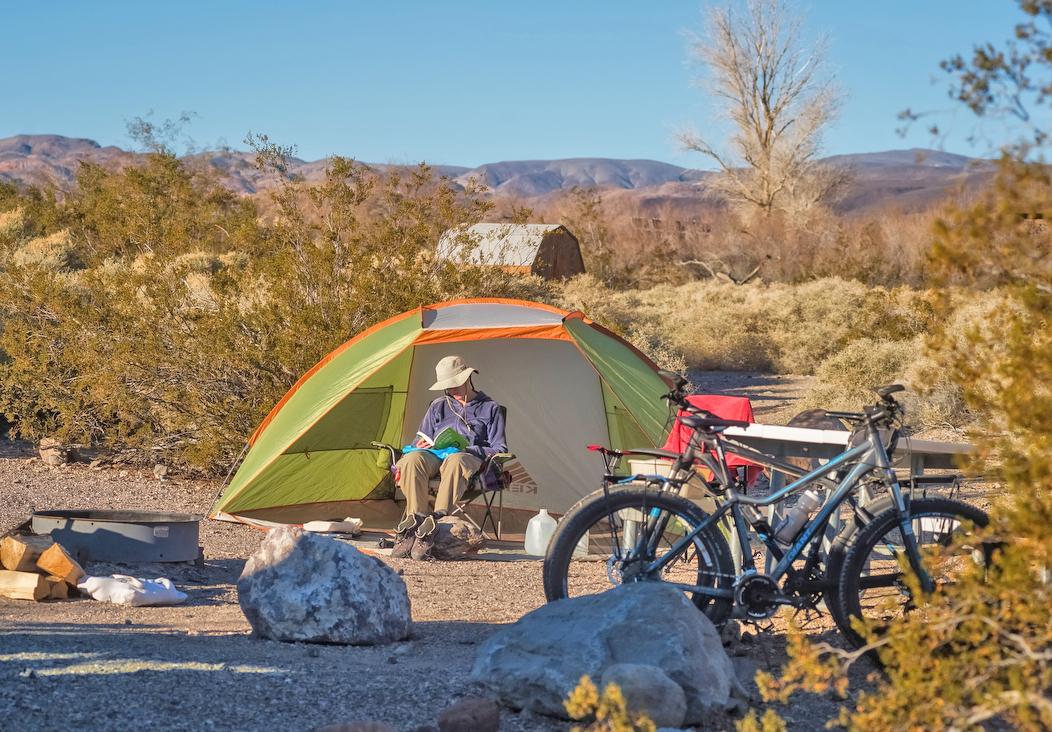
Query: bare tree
(773, 88)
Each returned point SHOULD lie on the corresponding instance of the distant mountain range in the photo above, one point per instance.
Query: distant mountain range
(905, 179)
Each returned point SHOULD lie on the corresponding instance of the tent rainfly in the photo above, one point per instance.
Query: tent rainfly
(565, 381)
(550, 251)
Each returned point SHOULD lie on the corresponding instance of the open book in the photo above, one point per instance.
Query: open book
(448, 437)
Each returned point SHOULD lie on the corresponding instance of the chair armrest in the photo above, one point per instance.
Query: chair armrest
(496, 459)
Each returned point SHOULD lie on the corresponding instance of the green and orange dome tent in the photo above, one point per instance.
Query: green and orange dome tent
(565, 381)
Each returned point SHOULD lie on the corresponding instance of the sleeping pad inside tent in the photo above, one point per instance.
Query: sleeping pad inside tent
(566, 382)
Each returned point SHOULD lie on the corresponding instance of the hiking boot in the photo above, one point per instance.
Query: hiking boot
(409, 523)
(405, 536)
(425, 539)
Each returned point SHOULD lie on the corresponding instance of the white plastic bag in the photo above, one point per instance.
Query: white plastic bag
(120, 589)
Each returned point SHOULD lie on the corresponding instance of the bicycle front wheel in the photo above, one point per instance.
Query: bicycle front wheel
(873, 581)
(609, 539)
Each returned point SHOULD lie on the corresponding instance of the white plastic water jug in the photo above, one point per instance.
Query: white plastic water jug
(539, 532)
(581, 550)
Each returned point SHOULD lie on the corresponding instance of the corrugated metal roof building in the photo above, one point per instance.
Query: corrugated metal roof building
(550, 251)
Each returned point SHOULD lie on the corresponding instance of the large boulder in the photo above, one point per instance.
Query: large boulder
(536, 662)
(304, 587)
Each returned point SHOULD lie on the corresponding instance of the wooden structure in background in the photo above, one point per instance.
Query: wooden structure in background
(550, 251)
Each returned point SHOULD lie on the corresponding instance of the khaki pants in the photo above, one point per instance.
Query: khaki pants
(420, 466)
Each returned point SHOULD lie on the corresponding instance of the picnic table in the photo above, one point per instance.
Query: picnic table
(915, 455)
(782, 442)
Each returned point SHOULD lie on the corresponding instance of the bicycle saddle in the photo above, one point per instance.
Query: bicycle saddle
(708, 423)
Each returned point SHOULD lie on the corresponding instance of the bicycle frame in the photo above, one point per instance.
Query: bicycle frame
(871, 455)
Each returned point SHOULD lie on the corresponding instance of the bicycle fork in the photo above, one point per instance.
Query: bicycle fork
(909, 537)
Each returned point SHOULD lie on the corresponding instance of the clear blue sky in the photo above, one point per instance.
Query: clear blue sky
(453, 82)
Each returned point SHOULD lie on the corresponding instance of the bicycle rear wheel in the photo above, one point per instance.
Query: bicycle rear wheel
(600, 544)
(873, 584)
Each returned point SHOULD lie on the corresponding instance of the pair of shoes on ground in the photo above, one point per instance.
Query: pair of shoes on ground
(415, 536)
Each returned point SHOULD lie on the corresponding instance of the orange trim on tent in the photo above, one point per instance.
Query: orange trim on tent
(318, 366)
(578, 315)
(540, 332)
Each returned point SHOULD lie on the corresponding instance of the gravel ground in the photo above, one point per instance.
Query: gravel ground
(196, 667)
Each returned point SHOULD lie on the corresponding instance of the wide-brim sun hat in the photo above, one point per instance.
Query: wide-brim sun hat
(451, 372)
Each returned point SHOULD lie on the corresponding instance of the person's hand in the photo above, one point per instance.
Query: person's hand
(420, 443)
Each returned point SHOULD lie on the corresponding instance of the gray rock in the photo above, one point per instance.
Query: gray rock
(731, 633)
(309, 588)
(53, 453)
(160, 470)
(456, 538)
(470, 714)
(536, 662)
(648, 690)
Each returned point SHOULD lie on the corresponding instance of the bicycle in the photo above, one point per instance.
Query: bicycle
(654, 534)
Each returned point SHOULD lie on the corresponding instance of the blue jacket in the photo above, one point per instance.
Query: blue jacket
(480, 420)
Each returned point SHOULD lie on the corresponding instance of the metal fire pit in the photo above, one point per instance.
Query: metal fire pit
(123, 536)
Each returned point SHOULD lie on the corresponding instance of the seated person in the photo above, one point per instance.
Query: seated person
(472, 414)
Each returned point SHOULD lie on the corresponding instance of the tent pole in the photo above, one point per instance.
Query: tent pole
(229, 473)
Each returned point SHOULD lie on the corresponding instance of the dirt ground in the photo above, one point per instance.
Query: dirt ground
(81, 663)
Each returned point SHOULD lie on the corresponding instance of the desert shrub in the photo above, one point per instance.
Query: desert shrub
(625, 313)
(54, 252)
(190, 312)
(606, 712)
(163, 206)
(845, 380)
(938, 400)
(980, 651)
(633, 241)
(12, 222)
(849, 335)
(776, 327)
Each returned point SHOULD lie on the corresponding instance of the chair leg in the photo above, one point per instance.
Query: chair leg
(488, 499)
(500, 511)
(459, 508)
(467, 517)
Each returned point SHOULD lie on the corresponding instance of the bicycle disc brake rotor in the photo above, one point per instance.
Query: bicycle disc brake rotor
(621, 571)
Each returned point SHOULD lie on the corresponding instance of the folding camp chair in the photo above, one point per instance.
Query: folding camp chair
(487, 483)
(491, 491)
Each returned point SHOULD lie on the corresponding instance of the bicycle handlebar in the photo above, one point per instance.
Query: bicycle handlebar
(886, 410)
